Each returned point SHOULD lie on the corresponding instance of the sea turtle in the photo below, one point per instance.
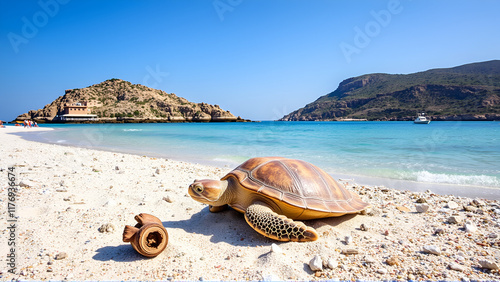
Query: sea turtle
(273, 191)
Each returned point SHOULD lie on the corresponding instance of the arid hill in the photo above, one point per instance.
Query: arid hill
(116, 100)
(468, 92)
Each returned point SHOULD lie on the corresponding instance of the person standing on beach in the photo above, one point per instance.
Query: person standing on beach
(25, 123)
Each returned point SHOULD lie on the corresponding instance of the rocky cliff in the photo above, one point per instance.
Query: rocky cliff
(468, 92)
(116, 100)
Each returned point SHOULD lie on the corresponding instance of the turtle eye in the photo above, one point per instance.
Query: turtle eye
(198, 188)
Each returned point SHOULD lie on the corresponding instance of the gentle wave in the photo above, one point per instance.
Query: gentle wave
(132, 129)
(231, 160)
(61, 141)
(442, 178)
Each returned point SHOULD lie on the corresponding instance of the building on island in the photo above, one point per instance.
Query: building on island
(79, 111)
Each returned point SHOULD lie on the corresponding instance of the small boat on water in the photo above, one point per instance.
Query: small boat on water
(422, 119)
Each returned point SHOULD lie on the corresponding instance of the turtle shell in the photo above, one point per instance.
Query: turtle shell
(297, 183)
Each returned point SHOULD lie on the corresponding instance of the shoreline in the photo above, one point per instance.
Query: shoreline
(45, 120)
(461, 190)
(68, 193)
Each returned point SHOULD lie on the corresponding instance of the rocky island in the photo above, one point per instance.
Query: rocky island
(467, 92)
(116, 100)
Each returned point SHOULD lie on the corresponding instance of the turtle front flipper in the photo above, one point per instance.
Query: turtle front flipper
(278, 227)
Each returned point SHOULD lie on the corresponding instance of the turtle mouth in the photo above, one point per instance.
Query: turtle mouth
(192, 193)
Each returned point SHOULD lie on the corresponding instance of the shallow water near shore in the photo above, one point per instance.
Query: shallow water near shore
(445, 157)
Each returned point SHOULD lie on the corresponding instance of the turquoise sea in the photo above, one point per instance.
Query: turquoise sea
(461, 158)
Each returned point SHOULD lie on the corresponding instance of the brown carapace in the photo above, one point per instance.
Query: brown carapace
(272, 192)
(148, 237)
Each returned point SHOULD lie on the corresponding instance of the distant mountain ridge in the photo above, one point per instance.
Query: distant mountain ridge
(467, 92)
(116, 100)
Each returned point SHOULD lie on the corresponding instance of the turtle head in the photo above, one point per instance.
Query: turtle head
(207, 191)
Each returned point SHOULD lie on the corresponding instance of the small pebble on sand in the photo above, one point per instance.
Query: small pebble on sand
(457, 267)
(402, 209)
(439, 231)
(348, 240)
(487, 264)
(452, 205)
(26, 184)
(350, 252)
(110, 203)
(316, 263)
(393, 260)
(431, 249)
(61, 256)
(276, 249)
(454, 219)
(421, 201)
(107, 228)
(422, 208)
(470, 227)
(477, 203)
(332, 263)
(382, 271)
(369, 259)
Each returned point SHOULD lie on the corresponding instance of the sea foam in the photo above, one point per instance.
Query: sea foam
(473, 180)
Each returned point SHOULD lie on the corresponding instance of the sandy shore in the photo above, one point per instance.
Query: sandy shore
(69, 193)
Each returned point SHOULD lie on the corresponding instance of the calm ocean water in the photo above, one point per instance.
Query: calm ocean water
(455, 155)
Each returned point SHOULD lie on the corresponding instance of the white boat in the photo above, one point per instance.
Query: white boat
(422, 119)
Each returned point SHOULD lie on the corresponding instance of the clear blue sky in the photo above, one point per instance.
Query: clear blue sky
(260, 59)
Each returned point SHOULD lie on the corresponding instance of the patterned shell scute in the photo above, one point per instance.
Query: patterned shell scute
(298, 183)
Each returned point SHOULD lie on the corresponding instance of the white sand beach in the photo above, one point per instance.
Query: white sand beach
(68, 193)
